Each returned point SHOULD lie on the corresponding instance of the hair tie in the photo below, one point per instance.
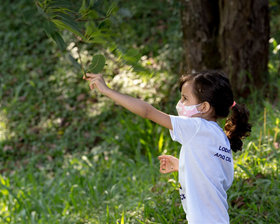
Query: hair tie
(234, 103)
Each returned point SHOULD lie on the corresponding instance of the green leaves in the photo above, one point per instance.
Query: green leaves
(52, 32)
(132, 57)
(65, 21)
(113, 8)
(91, 24)
(86, 23)
(61, 4)
(97, 63)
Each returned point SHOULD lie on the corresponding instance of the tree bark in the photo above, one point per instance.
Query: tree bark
(244, 42)
(229, 35)
(200, 24)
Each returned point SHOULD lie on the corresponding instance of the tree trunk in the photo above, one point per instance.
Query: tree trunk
(200, 24)
(231, 35)
(244, 42)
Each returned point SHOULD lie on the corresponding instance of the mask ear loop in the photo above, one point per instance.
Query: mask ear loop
(197, 105)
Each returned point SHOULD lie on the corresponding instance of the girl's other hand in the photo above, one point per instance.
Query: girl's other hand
(96, 81)
(168, 164)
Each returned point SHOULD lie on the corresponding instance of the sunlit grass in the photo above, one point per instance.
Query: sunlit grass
(3, 126)
(254, 195)
(4, 206)
(105, 185)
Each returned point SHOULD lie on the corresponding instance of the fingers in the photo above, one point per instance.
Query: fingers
(165, 171)
(163, 157)
(91, 75)
(92, 82)
(91, 86)
(92, 78)
(166, 157)
(163, 161)
(167, 164)
(162, 165)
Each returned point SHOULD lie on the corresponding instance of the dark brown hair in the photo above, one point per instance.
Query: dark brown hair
(214, 87)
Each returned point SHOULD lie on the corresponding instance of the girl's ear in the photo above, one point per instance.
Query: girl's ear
(205, 107)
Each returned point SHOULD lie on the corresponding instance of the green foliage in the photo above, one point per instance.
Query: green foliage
(89, 24)
(97, 64)
(52, 32)
(66, 15)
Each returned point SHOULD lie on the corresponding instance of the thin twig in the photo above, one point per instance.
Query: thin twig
(80, 58)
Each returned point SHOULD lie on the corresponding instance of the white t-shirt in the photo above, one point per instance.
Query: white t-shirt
(205, 169)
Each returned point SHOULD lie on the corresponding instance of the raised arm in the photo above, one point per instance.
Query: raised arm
(134, 105)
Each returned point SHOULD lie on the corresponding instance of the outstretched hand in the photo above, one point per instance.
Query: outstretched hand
(168, 164)
(96, 81)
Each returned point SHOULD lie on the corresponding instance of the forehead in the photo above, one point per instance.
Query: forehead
(187, 89)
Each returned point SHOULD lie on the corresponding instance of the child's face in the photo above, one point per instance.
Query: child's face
(189, 99)
(187, 96)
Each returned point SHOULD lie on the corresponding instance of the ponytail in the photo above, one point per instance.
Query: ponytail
(237, 126)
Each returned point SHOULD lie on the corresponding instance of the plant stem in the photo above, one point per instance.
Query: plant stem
(80, 58)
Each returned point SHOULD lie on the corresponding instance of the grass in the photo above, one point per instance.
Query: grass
(69, 156)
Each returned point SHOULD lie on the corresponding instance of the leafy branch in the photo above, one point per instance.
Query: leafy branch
(80, 21)
(88, 25)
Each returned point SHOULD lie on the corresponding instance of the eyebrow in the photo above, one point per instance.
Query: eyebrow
(185, 96)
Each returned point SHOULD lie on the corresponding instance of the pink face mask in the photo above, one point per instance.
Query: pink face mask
(187, 111)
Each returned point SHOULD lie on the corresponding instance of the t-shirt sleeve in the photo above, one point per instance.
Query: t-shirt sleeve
(184, 128)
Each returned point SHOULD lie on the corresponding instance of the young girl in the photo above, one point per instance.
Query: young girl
(205, 164)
